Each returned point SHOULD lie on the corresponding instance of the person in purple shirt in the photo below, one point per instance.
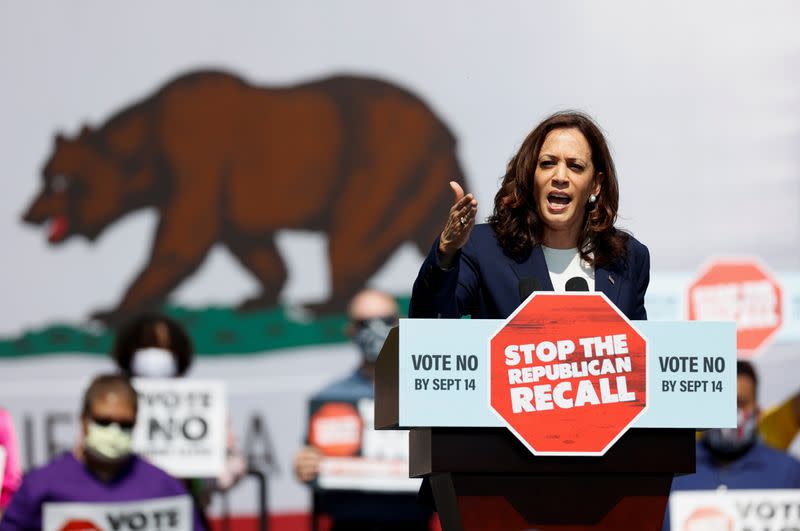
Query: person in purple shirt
(101, 469)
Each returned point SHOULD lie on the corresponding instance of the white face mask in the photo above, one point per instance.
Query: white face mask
(110, 442)
(154, 362)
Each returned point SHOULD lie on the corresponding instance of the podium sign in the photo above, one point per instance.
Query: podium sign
(571, 384)
(445, 363)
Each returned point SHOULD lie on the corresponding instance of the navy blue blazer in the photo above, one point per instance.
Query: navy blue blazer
(484, 282)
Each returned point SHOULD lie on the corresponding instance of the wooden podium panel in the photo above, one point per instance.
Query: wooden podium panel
(485, 479)
(551, 503)
(497, 451)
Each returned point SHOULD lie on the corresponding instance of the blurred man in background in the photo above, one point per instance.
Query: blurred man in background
(735, 458)
(371, 314)
(102, 468)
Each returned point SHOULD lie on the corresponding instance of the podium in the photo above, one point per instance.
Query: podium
(510, 489)
(484, 478)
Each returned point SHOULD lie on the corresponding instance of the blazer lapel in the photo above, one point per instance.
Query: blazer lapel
(534, 267)
(607, 281)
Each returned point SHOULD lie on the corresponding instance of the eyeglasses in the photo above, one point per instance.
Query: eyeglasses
(106, 421)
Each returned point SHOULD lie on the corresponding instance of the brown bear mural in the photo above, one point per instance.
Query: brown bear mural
(224, 161)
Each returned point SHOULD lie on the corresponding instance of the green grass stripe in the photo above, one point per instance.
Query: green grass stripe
(215, 331)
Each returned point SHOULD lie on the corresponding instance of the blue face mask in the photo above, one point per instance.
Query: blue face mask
(731, 441)
(370, 334)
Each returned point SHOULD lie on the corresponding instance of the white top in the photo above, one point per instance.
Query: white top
(564, 264)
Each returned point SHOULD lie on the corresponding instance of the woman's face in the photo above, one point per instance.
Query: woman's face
(563, 180)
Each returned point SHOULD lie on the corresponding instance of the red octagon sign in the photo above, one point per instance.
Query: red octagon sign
(80, 525)
(568, 373)
(740, 290)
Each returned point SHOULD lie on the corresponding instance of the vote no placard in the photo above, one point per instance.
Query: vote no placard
(735, 510)
(568, 373)
(159, 514)
(180, 426)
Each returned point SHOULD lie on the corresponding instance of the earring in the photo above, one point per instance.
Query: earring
(592, 198)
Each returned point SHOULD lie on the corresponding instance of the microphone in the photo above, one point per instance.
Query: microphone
(577, 284)
(527, 285)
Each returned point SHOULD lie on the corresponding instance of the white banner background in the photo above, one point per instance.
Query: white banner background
(699, 99)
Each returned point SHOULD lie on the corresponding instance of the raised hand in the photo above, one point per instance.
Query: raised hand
(459, 225)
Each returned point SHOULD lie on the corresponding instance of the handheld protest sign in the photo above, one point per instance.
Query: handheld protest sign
(761, 509)
(568, 373)
(181, 425)
(335, 429)
(355, 456)
(163, 514)
(741, 290)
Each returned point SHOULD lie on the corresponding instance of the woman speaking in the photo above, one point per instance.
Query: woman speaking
(552, 229)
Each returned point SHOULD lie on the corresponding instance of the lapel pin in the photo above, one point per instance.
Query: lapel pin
(611, 279)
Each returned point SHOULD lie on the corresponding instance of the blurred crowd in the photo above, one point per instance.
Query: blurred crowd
(103, 468)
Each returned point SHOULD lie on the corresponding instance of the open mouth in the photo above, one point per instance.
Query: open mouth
(558, 201)
(57, 228)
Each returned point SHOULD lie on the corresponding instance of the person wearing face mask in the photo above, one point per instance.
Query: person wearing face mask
(735, 458)
(153, 345)
(371, 314)
(101, 469)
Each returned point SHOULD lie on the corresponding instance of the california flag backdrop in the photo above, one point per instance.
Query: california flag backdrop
(248, 167)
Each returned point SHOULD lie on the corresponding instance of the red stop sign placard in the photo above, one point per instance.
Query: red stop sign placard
(740, 290)
(568, 373)
(335, 429)
(80, 525)
(709, 518)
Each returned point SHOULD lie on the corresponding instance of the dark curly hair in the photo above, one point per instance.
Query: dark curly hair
(516, 220)
(142, 332)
